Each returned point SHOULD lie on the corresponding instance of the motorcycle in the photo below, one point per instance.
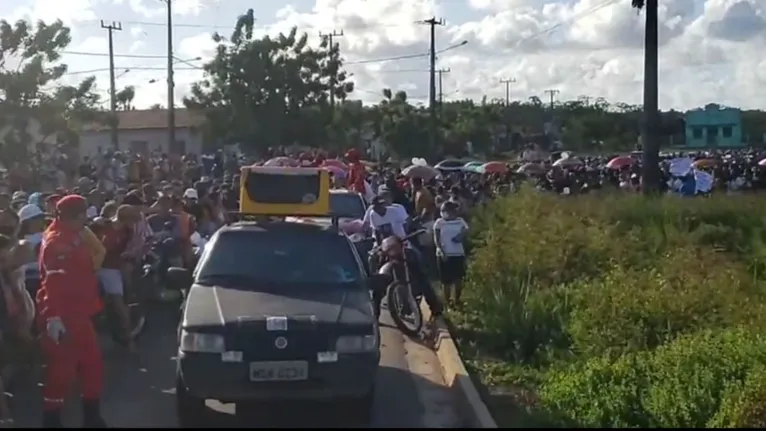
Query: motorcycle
(403, 303)
(164, 253)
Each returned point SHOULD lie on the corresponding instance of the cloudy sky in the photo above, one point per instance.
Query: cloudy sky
(711, 50)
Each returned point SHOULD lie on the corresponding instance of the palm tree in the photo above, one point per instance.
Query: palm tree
(650, 132)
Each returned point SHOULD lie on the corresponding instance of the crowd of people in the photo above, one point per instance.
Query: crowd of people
(684, 172)
(90, 229)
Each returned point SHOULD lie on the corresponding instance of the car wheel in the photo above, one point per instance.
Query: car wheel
(360, 409)
(190, 410)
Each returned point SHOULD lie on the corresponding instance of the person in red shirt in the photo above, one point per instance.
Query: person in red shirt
(67, 300)
(116, 234)
(356, 172)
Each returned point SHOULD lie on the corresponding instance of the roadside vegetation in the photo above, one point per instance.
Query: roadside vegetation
(617, 311)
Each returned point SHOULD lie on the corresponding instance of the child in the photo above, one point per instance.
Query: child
(449, 234)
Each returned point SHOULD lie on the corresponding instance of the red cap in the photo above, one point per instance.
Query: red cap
(71, 202)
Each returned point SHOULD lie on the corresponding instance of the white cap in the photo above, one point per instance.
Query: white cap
(30, 211)
(191, 194)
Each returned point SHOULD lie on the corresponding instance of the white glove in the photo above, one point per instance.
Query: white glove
(55, 328)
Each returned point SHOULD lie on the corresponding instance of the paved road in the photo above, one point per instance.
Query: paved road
(140, 391)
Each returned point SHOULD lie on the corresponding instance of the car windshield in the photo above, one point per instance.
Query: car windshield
(346, 205)
(279, 257)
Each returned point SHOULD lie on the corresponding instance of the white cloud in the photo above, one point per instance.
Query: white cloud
(711, 50)
(201, 45)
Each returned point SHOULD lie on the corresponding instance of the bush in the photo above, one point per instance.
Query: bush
(610, 282)
(632, 309)
(689, 382)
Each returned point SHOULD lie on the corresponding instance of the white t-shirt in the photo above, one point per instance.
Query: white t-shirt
(448, 229)
(391, 223)
(91, 212)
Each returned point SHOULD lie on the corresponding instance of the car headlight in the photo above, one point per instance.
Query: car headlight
(356, 343)
(201, 343)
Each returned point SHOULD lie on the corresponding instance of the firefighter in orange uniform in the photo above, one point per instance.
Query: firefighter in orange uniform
(67, 300)
(356, 172)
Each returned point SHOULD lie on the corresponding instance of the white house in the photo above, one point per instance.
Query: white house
(146, 130)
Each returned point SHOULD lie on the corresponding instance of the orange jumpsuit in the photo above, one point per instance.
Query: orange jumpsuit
(356, 177)
(69, 290)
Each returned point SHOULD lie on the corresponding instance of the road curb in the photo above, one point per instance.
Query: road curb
(472, 408)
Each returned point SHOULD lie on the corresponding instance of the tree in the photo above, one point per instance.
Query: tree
(156, 106)
(33, 105)
(124, 98)
(265, 92)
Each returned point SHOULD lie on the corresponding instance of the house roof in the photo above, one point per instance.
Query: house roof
(152, 119)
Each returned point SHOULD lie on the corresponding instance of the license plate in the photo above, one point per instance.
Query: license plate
(279, 371)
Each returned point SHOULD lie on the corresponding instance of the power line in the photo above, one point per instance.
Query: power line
(231, 27)
(374, 60)
(569, 20)
(103, 54)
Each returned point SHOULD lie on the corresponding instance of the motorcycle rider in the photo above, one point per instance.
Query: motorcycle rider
(67, 300)
(386, 221)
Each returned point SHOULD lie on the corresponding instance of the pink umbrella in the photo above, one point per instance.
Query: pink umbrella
(336, 163)
(336, 171)
(619, 162)
(494, 168)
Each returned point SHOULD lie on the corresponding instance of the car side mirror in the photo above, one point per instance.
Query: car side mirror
(179, 278)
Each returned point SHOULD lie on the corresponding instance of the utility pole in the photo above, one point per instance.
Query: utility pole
(111, 28)
(441, 84)
(508, 83)
(433, 22)
(508, 138)
(171, 83)
(329, 37)
(552, 94)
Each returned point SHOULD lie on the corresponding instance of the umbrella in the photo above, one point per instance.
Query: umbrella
(449, 165)
(619, 162)
(494, 168)
(567, 162)
(336, 171)
(704, 163)
(336, 163)
(472, 166)
(425, 172)
(281, 161)
(531, 168)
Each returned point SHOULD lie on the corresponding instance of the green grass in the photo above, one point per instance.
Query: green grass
(566, 294)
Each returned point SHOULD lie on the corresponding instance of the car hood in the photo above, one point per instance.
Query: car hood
(217, 305)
